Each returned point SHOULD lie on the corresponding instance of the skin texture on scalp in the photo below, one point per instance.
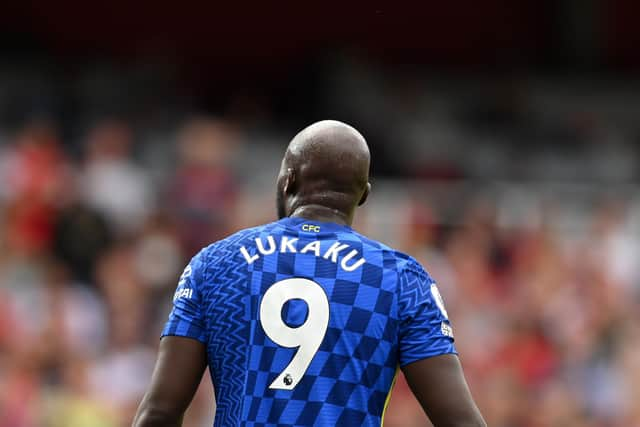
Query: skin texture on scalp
(324, 173)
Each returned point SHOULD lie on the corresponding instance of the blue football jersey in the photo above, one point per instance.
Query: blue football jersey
(306, 323)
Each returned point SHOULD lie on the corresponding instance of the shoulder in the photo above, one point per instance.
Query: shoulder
(410, 265)
(227, 248)
(237, 238)
(394, 258)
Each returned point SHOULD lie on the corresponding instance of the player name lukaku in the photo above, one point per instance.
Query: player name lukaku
(338, 253)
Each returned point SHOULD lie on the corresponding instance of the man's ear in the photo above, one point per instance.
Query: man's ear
(365, 195)
(289, 182)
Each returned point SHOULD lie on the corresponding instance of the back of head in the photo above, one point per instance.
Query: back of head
(324, 173)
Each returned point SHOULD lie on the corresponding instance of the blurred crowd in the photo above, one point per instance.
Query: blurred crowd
(90, 254)
(94, 234)
(546, 321)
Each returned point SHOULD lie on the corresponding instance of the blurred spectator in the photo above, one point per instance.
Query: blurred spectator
(158, 254)
(119, 375)
(34, 175)
(113, 183)
(70, 404)
(80, 235)
(202, 194)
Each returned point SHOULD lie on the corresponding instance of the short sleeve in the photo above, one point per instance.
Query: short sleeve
(186, 318)
(425, 330)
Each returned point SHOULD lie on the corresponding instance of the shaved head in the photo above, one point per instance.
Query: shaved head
(325, 172)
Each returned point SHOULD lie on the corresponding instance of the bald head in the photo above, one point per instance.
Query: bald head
(325, 171)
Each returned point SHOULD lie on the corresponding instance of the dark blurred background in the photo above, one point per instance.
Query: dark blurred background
(506, 158)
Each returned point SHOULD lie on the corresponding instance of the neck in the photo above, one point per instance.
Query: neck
(322, 213)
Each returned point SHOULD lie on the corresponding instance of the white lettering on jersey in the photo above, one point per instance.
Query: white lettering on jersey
(333, 251)
(272, 246)
(287, 245)
(250, 259)
(353, 266)
(183, 293)
(315, 246)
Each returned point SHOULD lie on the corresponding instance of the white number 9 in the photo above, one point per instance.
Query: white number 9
(307, 336)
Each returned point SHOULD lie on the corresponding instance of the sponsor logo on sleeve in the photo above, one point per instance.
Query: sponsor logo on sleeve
(183, 293)
(438, 299)
(185, 275)
(446, 330)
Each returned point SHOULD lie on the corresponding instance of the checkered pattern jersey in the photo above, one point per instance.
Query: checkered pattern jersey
(382, 315)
